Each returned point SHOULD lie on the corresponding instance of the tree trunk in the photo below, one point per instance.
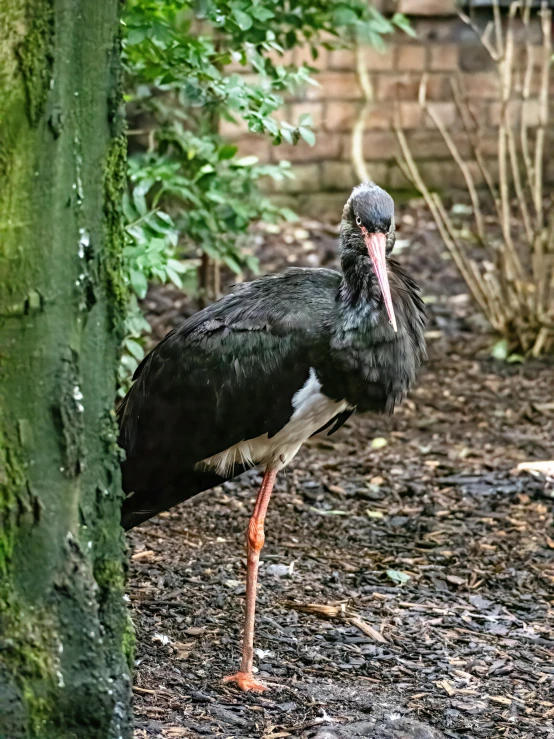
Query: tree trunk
(65, 640)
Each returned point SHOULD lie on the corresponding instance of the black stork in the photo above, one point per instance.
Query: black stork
(247, 380)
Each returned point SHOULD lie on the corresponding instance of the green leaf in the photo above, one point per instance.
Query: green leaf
(322, 512)
(374, 514)
(247, 161)
(227, 152)
(398, 576)
(379, 442)
(174, 277)
(139, 282)
(307, 134)
(134, 348)
(344, 16)
(242, 19)
(400, 21)
(500, 350)
(289, 215)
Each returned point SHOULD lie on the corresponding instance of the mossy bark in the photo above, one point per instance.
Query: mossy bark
(64, 633)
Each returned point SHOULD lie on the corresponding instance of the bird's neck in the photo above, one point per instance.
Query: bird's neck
(359, 285)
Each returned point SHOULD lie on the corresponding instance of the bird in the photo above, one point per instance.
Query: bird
(246, 381)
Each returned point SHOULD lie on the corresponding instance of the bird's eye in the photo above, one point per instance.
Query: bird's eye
(358, 221)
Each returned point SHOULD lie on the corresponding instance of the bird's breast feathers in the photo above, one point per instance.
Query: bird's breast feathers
(311, 409)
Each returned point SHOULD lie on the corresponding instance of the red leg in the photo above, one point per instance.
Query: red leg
(254, 543)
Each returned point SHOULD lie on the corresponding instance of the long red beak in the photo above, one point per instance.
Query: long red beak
(376, 246)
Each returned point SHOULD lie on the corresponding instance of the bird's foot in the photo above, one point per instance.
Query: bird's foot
(245, 681)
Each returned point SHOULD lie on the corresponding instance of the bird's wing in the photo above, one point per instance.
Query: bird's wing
(227, 374)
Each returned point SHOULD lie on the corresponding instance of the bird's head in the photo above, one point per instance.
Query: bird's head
(367, 229)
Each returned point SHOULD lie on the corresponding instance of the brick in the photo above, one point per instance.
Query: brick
(443, 57)
(445, 111)
(532, 113)
(322, 206)
(231, 130)
(380, 145)
(431, 145)
(237, 67)
(475, 58)
(380, 117)
(338, 176)
(427, 7)
(307, 178)
(488, 144)
(282, 60)
(379, 61)
(397, 180)
(343, 176)
(435, 30)
(303, 55)
(254, 145)
(410, 57)
(482, 85)
(491, 165)
(340, 116)
(327, 146)
(441, 175)
(480, 117)
(406, 86)
(335, 86)
(379, 173)
(411, 115)
(341, 59)
(313, 109)
(398, 86)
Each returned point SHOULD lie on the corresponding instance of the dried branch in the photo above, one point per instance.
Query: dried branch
(546, 26)
(358, 159)
(456, 155)
(514, 285)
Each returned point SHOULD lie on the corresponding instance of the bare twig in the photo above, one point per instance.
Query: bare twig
(341, 611)
(358, 159)
(546, 25)
(456, 155)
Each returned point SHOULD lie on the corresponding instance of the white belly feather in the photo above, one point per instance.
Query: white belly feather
(312, 410)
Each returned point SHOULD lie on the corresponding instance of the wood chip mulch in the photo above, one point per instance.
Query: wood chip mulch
(407, 583)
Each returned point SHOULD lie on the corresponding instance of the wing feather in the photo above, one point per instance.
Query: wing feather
(226, 375)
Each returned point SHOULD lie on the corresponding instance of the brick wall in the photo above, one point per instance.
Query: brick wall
(444, 47)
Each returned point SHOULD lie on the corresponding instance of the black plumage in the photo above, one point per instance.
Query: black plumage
(249, 379)
(230, 372)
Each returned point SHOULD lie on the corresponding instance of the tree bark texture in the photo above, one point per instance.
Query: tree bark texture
(65, 641)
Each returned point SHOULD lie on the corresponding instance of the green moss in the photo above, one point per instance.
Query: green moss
(35, 57)
(109, 575)
(29, 648)
(115, 174)
(129, 643)
(12, 485)
(68, 413)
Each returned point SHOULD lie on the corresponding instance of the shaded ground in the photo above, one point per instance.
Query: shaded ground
(417, 527)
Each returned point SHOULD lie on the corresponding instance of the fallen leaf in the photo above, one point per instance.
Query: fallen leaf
(374, 514)
(446, 686)
(500, 699)
(328, 513)
(145, 554)
(455, 580)
(367, 629)
(162, 639)
(398, 576)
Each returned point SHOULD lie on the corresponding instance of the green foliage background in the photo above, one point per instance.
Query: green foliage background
(189, 191)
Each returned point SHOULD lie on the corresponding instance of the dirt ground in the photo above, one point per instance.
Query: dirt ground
(426, 559)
